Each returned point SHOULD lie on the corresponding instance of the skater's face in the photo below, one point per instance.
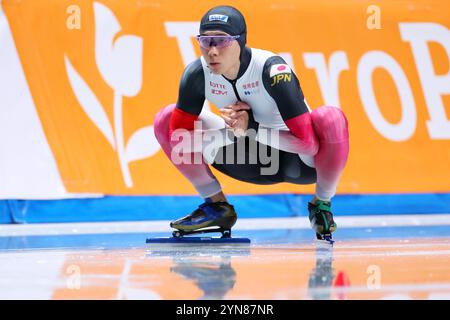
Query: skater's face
(221, 52)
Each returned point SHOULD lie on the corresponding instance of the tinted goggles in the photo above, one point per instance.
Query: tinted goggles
(221, 41)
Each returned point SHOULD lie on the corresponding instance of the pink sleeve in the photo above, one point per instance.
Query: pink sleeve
(301, 126)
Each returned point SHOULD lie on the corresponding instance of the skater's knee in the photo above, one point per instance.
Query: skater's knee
(330, 124)
(326, 116)
(162, 120)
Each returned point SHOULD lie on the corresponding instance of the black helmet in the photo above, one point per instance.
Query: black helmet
(226, 19)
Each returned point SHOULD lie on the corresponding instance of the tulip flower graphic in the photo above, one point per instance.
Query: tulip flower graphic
(119, 60)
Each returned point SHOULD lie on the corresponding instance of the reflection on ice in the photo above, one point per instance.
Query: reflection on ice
(208, 267)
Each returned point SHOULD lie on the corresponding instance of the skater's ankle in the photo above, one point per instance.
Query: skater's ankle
(315, 199)
(219, 197)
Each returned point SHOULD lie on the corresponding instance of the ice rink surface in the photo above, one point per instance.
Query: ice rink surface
(112, 261)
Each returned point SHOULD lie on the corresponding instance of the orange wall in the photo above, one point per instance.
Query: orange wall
(418, 162)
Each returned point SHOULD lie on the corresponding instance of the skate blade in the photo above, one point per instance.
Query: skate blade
(197, 245)
(199, 240)
(324, 240)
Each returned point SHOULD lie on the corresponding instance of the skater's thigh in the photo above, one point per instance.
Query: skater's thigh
(271, 166)
(241, 161)
(294, 170)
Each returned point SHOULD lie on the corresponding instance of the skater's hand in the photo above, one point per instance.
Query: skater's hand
(236, 117)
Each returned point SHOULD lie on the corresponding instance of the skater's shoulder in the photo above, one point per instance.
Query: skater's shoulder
(260, 56)
(193, 69)
(262, 53)
(266, 59)
(193, 78)
(275, 60)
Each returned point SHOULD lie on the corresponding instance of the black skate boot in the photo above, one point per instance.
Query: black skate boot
(321, 220)
(208, 215)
